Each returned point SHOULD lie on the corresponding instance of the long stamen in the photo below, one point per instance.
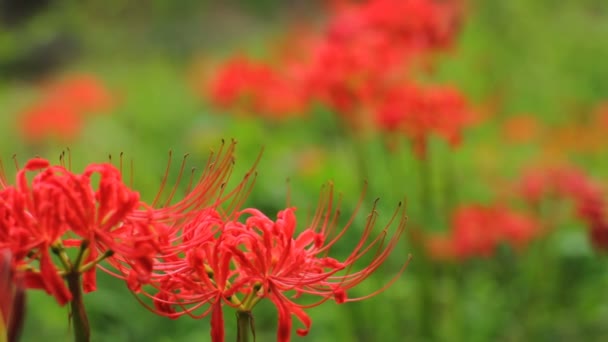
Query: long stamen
(179, 177)
(164, 180)
(3, 181)
(16, 162)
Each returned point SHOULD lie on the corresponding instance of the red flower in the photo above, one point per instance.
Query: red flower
(244, 84)
(366, 48)
(51, 118)
(46, 214)
(180, 223)
(63, 108)
(478, 230)
(572, 184)
(85, 93)
(240, 263)
(419, 112)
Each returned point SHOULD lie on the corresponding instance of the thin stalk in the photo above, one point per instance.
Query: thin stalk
(425, 282)
(244, 321)
(80, 322)
(450, 195)
(426, 196)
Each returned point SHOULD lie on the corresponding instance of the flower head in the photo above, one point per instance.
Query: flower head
(62, 110)
(419, 112)
(477, 231)
(248, 257)
(575, 185)
(60, 209)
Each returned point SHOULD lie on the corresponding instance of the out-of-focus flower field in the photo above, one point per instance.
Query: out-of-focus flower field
(486, 120)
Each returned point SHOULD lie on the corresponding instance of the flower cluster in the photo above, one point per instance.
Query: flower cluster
(371, 46)
(478, 230)
(59, 209)
(572, 184)
(362, 66)
(191, 256)
(246, 257)
(256, 87)
(61, 112)
(417, 112)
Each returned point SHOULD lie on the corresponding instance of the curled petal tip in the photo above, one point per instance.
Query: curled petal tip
(36, 164)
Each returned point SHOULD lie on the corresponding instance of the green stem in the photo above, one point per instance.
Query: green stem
(244, 321)
(80, 322)
(428, 219)
(361, 162)
(450, 195)
(426, 197)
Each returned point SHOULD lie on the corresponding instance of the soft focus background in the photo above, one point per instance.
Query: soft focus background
(507, 224)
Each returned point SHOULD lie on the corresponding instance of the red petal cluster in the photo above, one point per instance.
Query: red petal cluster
(242, 259)
(361, 67)
(372, 45)
(44, 214)
(192, 256)
(60, 113)
(58, 209)
(573, 184)
(418, 112)
(478, 230)
(256, 87)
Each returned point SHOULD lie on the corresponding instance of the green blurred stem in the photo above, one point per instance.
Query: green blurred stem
(426, 199)
(359, 150)
(449, 189)
(80, 322)
(425, 281)
(244, 321)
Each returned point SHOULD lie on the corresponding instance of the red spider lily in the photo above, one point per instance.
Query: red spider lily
(572, 184)
(366, 48)
(256, 87)
(177, 222)
(346, 78)
(51, 118)
(240, 263)
(85, 93)
(419, 112)
(399, 29)
(12, 299)
(209, 190)
(95, 211)
(63, 108)
(477, 231)
(429, 24)
(41, 216)
(370, 45)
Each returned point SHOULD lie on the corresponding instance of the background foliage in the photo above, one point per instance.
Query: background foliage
(543, 58)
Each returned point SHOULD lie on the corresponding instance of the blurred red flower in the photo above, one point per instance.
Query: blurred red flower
(84, 93)
(419, 112)
(570, 183)
(63, 108)
(366, 50)
(255, 87)
(477, 231)
(51, 118)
